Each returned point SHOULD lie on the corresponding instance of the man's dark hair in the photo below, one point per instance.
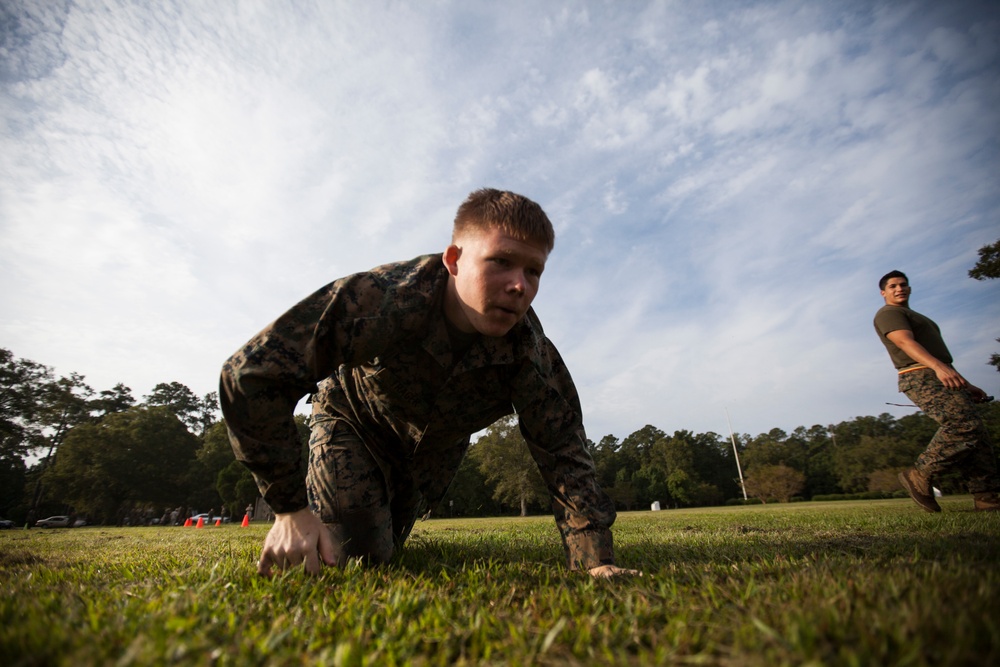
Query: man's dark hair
(890, 275)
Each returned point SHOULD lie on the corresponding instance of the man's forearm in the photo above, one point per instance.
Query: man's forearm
(919, 354)
(945, 372)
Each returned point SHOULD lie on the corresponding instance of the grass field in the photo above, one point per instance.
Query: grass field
(852, 583)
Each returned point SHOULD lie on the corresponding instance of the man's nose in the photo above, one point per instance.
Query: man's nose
(517, 283)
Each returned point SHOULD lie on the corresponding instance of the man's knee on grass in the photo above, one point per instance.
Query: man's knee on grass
(363, 536)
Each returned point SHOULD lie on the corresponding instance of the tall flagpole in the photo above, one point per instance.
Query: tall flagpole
(736, 454)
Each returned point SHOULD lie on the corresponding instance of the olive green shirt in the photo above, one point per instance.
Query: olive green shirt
(925, 332)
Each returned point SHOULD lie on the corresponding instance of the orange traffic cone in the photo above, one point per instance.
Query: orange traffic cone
(246, 521)
(201, 522)
(218, 522)
(187, 522)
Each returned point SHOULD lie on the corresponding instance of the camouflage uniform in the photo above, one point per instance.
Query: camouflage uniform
(962, 443)
(378, 347)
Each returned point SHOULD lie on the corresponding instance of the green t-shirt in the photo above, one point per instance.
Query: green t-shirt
(925, 332)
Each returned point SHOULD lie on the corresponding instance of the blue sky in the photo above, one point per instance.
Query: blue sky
(728, 181)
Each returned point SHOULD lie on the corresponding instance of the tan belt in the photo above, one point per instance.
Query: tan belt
(910, 369)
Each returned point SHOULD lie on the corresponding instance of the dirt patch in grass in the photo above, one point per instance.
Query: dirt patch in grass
(9, 559)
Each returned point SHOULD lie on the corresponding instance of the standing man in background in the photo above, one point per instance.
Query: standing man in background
(962, 443)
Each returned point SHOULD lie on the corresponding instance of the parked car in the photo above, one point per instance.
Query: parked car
(5, 524)
(53, 522)
(208, 519)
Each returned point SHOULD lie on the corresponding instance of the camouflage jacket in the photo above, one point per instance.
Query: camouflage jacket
(373, 348)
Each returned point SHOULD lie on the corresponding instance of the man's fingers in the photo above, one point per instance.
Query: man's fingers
(312, 563)
(327, 549)
(271, 561)
(264, 565)
(608, 571)
(297, 538)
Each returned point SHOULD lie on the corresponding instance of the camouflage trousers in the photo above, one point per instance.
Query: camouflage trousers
(962, 443)
(348, 491)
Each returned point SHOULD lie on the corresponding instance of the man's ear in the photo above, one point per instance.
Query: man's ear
(451, 255)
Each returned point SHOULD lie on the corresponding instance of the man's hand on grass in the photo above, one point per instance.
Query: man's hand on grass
(296, 537)
(609, 571)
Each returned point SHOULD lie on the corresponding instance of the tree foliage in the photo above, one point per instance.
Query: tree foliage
(196, 413)
(469, 494)
(213, 456)
(505, 460)
(117, 399)
(125, 460)
(690, 466)
(20, 382)
(61, 405)
(39, 413)
(988, 265)
(774, 482)
(884, 481)
(236, 487)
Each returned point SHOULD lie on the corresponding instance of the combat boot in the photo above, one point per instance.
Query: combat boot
(919, 489)
(987, 502)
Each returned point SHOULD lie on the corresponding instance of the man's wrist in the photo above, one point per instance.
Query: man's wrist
(290, 512)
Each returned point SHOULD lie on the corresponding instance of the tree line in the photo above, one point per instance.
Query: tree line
(108, 458)
(856, 458)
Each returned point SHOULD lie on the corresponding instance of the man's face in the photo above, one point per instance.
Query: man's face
(493, 280)
(896, 292)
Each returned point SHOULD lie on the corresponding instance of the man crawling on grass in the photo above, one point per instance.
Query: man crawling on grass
(403, 363)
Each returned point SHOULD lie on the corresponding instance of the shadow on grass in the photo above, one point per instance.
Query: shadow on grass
(693, 547)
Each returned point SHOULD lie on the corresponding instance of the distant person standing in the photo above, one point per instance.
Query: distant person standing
(962, 443)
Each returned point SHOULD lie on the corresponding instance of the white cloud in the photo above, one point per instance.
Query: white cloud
(726, 185)
(614, 201)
